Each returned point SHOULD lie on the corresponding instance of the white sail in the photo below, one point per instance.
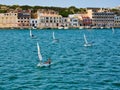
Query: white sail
(39, 54)
(113, 30)
(53, 35)
(30, 33)
(85, 39)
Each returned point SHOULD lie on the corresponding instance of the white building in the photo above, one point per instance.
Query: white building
(101, 17)
(34, 23)
(65, 22)
(117, 21)
(74, 21)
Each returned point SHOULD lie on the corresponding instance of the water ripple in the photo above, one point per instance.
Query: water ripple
(74, 67)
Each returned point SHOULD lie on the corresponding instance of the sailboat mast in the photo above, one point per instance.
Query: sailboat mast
(39, 54)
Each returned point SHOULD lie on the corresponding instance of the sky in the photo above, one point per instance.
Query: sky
(65, 3)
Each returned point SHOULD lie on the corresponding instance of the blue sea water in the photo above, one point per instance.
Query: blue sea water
(74, 67)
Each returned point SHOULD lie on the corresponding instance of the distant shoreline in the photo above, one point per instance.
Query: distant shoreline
(55, 29)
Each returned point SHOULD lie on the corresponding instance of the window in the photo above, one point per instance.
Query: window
(46, 21)
(51, 21)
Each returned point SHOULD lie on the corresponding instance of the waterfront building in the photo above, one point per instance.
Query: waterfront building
(24, 17)
(86, 20)
(65, 22)
(117, 21)
(34, 23)
(48, 19)
(74, 21)
(80, 20)
(101, 17)
(8, 20)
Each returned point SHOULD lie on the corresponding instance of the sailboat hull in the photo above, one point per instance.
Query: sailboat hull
(55, 40)
(87, 45)
(43, 65)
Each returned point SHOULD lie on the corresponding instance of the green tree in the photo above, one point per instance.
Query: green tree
(73, 9)
(82, 10)
(26, 7)
(116, 11)
(14, 7)
(3, 11)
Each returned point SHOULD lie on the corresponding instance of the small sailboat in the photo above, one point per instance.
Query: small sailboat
(113, 30)
(86, 42)
(31, 35)
(53, 36)
(54, 39)
(41, 64)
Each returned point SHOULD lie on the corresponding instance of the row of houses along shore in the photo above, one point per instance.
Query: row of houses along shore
(94, 18)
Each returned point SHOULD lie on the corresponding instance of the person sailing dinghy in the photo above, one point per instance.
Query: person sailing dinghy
(86, 42)
(41, 63)
(54, 39)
